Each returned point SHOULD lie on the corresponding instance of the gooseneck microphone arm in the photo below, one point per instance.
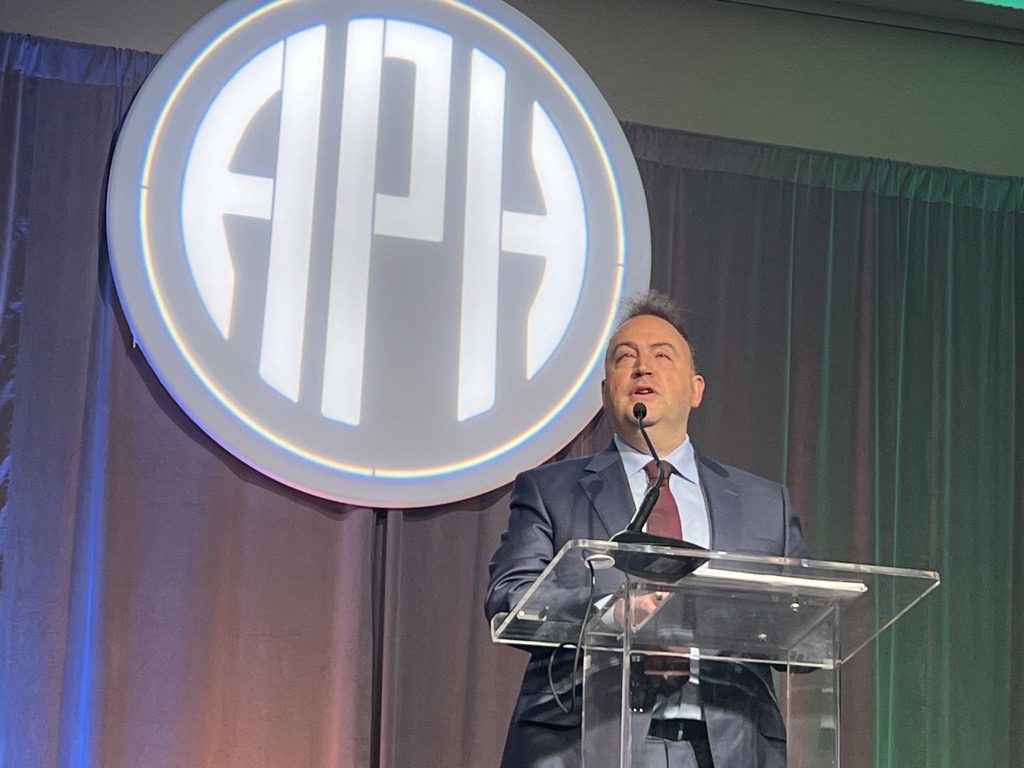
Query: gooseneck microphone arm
(639, 520)
(640, 413)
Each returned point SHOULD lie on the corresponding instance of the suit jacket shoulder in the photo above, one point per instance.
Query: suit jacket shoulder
(580, 498)
(749, 513)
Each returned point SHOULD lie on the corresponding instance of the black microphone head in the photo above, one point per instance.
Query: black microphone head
(639, 411)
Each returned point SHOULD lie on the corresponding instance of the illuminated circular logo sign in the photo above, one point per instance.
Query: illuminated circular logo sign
(375, 249)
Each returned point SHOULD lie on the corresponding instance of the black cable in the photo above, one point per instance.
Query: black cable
(579, 646)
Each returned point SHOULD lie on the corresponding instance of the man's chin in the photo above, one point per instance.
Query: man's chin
(650, 418)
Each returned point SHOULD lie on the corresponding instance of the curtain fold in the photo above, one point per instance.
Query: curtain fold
(162, 604)
(948, 383)
(859, 323)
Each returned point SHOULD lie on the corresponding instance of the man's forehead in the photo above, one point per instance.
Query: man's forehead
(649, 330)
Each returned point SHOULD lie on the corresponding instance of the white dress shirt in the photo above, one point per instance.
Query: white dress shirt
(683, 482)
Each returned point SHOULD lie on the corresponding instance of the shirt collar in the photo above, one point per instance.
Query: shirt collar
(681, 458)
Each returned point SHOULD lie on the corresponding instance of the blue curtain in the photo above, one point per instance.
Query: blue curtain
(161, 604)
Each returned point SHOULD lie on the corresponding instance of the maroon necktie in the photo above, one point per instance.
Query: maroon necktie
(664, 519)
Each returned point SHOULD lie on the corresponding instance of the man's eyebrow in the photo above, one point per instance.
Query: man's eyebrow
(634, 345)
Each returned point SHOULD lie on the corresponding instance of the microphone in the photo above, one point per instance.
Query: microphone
(654, 490)
(639, 520)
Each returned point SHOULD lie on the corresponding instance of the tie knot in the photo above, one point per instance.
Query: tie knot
(651, 468)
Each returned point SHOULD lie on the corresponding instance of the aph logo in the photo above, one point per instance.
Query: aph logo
(375, 249)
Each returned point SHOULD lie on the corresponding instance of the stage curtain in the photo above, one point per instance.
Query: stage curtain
(859, 323)
(162, 604)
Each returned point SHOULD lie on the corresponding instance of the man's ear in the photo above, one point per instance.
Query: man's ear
(698, 390)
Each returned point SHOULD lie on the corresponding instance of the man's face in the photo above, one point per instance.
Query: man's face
(649, 362)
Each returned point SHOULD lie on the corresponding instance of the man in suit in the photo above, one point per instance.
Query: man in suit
(730, 717)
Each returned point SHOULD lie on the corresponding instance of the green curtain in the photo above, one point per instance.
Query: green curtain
(861, 326)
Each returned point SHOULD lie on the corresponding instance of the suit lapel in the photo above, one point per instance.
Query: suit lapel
(723, 500)
(604, 484)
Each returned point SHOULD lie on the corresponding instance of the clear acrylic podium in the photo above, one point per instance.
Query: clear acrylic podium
(802, 619)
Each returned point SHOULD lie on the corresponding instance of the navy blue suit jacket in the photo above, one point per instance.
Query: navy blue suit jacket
(590, 498)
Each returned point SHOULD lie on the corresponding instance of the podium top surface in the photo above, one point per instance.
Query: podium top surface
(731, 606)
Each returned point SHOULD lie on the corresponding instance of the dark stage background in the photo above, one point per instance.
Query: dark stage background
(861, 326)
